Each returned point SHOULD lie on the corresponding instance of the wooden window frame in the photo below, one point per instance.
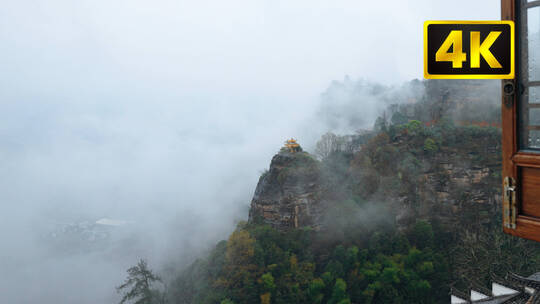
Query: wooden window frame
(516, 163)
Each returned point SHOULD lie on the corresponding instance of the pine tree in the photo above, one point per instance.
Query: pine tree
(139, 282)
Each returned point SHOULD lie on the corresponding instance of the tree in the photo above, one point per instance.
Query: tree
(316, 291)
(380, 124)
(139, 282)
(339, 294)
(422, 234)
(328, 144)
(430, 145)
(265, 298)
(399, 119)
(414, 127)
(240, 248)
(240, 272)
(267, 281)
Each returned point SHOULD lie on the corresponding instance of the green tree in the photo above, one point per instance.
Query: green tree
(316, 291)
(430, 145)
(422, 234)
(139, 285)
(267, 281)
(414, 127)
(339, 293)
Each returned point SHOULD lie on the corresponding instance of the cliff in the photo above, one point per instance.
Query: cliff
(448, 175)
(288, 195)
(459, 185)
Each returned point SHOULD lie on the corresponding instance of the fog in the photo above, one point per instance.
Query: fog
(162, 114)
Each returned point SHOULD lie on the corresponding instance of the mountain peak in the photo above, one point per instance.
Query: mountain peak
(288, 194)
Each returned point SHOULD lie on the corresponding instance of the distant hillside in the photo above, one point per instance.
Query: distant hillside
(348, 106)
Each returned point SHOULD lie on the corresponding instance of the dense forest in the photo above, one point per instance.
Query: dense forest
(414, 210)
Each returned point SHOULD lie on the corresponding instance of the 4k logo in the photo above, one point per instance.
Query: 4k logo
(469, 49)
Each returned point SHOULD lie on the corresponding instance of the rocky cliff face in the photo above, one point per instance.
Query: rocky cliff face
(458, 184)
(288, 195)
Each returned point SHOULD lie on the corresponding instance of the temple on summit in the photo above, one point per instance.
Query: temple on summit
(292, 145)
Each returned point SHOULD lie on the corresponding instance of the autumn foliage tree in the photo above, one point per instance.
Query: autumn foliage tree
(241, 272)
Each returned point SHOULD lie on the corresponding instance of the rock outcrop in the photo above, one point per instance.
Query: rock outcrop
(460, 184)
(288, 195)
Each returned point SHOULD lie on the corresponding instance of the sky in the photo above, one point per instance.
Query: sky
(164, 114)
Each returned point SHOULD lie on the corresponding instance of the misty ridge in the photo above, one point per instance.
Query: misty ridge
(456, 99)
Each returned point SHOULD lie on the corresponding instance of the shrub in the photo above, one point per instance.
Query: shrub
(430, 145)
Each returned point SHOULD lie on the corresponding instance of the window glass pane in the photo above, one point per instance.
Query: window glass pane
(534, 94)
(533, 32)
(534, 117)
(530, 128)
(529, 109)
(534, 139)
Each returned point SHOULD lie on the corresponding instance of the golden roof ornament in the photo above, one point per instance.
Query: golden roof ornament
(292, 145)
